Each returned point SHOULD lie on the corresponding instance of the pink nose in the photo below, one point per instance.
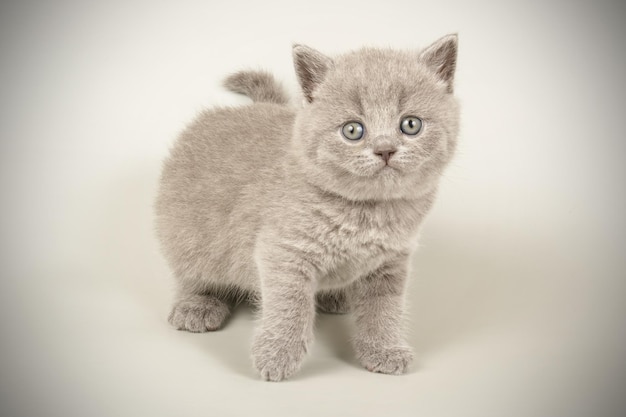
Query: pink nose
(385, 154)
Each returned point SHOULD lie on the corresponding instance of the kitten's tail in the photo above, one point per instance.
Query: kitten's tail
(260, 86)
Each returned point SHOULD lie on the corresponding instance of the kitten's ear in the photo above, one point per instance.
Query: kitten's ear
(311, 67)
(441, 58)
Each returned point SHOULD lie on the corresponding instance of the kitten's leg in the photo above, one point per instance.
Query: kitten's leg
(333, 302)
(199, 312)
(288, 314)
(378, 300)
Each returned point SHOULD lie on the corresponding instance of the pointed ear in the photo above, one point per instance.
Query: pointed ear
(441, 58)
(311, 67)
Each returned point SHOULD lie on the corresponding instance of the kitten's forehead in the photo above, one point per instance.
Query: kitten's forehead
(378, 78)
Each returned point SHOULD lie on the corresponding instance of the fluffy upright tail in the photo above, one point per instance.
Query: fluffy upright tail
(260, 86)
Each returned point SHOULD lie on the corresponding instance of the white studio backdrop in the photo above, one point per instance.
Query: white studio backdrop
(518, 299)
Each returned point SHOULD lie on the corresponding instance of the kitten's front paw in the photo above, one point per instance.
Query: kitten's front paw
(394, 360)
(276, 360)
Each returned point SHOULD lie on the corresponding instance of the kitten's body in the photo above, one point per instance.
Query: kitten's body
(251, 201)
(219, 211)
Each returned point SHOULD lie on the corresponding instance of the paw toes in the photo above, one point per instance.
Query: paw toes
(276, 371)
(214, 318)
(277, 361)
(198, 316)
(393, 361)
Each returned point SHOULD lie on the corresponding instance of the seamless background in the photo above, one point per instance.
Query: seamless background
(517, 303)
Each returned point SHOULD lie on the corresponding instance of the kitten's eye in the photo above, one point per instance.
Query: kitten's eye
(352, 130)
(411, 125)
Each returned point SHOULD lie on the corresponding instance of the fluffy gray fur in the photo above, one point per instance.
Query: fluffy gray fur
(273, 203)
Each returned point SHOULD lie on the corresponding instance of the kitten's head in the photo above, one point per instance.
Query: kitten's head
(377, 124)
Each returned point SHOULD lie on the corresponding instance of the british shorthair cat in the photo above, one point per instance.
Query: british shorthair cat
(316, 208)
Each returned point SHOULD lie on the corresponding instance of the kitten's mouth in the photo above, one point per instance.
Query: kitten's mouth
(388, 168)
(386, 172)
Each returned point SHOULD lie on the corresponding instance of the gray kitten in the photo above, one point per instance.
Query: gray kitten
(315, 207)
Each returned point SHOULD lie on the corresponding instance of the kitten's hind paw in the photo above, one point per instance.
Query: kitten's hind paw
(199, 313)
(394, 360)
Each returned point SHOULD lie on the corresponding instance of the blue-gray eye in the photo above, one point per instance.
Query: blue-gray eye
(411, 125)
(353, 130)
